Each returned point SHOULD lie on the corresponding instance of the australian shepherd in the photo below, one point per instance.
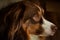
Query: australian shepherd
(25, 21)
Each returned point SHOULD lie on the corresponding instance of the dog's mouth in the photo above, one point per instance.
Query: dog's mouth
(53, 33)
(46, 35)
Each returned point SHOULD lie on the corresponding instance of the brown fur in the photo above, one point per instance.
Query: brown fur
(13, 17)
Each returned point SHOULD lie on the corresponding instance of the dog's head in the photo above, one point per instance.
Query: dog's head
(26, 18)
(38, 25)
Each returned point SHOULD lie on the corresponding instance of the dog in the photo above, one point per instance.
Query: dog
(25, 21)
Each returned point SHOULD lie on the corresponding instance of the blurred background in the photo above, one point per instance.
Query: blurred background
(53, 12)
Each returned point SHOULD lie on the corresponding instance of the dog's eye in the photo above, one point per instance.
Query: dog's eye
(33, 21)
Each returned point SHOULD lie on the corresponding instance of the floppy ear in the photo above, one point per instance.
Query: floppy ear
(39, 14)
(14, 11)
(11, 19)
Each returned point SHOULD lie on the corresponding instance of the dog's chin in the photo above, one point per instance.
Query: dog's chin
(52, 34)
(47, 35)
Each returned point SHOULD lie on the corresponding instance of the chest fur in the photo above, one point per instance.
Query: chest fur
(34, 37)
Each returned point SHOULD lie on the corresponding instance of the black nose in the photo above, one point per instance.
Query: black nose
(54, 28)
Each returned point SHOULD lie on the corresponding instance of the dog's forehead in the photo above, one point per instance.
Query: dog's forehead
(32, 6)
(31, 10)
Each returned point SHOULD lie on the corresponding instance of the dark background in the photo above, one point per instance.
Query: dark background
(52, 14)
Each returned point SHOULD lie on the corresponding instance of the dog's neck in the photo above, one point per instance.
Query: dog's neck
(35, 37)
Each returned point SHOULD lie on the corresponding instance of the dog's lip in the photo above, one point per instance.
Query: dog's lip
(54, 31)
(52, 34)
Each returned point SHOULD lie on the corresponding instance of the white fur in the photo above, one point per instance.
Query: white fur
(34, 37)
(47, 27)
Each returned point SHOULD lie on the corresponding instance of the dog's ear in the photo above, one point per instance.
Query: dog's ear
(11, 18)
(38, 16)
(15, 11)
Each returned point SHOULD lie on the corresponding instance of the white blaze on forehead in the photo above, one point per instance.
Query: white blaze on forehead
(47, 27)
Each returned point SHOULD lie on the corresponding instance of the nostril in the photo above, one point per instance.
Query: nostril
(54, 28)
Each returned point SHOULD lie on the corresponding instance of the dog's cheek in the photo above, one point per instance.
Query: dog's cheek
(39, 31)
(31, 30)
(36, 31)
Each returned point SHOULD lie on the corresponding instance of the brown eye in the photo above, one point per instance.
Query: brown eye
(33, 21)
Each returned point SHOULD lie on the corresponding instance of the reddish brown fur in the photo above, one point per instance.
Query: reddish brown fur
(13, 17)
